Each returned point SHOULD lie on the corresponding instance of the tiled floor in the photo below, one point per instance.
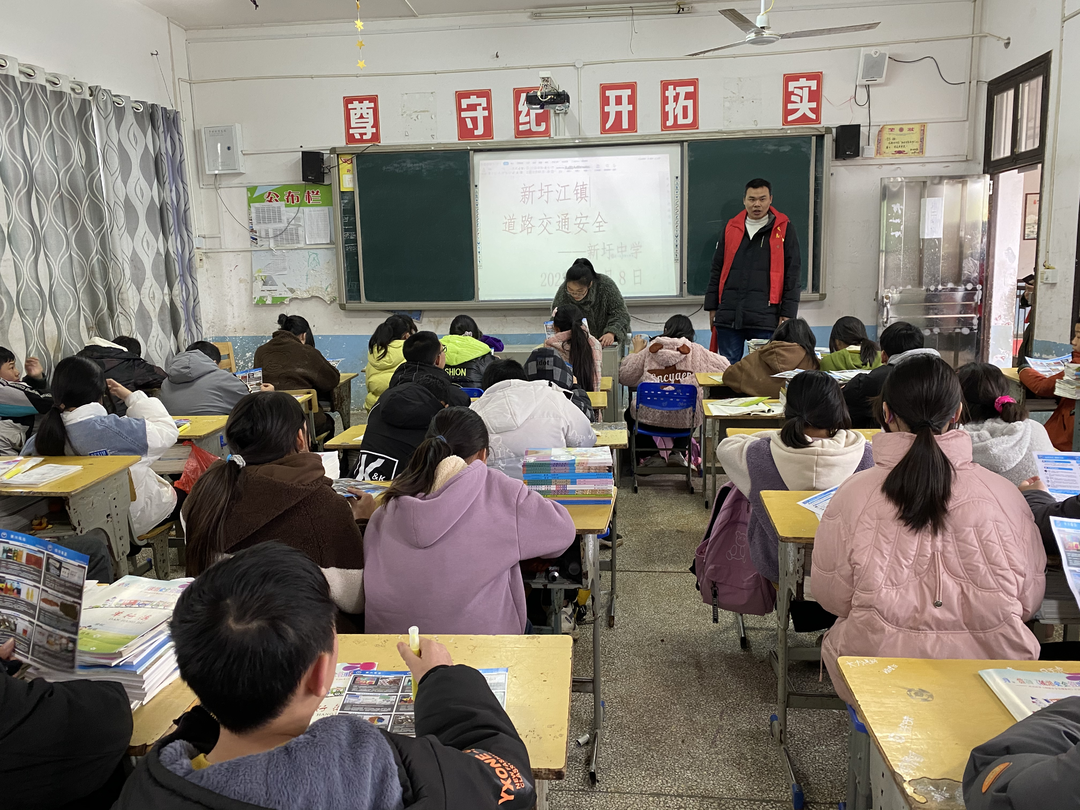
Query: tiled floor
(687, 710)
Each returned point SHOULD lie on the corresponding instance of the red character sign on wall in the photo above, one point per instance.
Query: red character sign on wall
(473, 115)
(802, 99)
(678, 105)
(529, 123)
(618, 108)
(361, 119)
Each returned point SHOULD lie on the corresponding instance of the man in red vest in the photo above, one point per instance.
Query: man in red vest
(755, 274)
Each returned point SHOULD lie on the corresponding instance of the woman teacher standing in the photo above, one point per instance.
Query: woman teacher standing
(599, 298)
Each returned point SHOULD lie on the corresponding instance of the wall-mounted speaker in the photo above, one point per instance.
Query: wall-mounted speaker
(873, 64)
(846, 140)
(311, 167)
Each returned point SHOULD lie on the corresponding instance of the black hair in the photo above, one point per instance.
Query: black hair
(814, 400)
(465, 325)
(298, 325)
(900, 337)
(850, 331)
(925, 393)
(396, 327)
(207, 348)
(261, 428)
(129, 344)
(502, 370)
(6, 355)
(76, 381)
(798, 331)
(983, 384)
(679, 326)
(248, 628)
(569, 319)
(759, 182)
(581, 270)
(423, 347)
(455, 431)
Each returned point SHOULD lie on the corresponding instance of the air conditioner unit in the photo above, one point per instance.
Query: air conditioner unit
(221, 149)
(873, 64)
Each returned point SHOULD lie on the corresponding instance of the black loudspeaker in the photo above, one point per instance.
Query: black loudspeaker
(311, 167)
(847, 139)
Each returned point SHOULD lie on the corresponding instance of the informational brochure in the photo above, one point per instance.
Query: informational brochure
(743, 406)
(252, 378)
(1049, 367)
(119, 620)
(818, 503)
(41, 586)
(40, 475)
(844, 376)
(1067, 534)
(1024, 693)
(1060, 472)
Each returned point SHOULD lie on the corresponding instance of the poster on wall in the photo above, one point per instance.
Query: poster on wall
(802, 100)
(678, 105)
(1031, 216)
(361, 119)
(279, 276)
(474, 115)
(618, 108)
(901, 140)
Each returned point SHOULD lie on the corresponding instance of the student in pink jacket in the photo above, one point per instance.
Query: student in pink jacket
(443, 550)
(927, 555)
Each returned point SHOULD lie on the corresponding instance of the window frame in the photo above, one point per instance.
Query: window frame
(1040, 66)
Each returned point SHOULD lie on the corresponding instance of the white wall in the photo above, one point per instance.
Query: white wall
(104, 42)
(237, 78)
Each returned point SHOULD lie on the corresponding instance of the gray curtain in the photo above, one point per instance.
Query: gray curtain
(95, 223)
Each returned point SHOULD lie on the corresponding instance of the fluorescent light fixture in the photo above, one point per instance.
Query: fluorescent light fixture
(636, 10)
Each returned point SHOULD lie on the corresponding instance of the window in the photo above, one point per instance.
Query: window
(1016, 116)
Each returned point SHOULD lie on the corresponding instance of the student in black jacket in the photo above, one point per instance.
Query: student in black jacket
(897, 340)
(425, 361)
(255, 640)
(1033, 765)
(396, 426)
(121, 360)
(61, 744)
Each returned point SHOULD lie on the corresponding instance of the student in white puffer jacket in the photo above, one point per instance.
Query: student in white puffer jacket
(1003, 439)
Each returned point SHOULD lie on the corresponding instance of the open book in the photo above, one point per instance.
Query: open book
(1024, 693)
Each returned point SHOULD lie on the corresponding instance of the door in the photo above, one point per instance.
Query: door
(933, 259)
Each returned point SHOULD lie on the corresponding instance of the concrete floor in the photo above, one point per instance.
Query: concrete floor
(687, 709)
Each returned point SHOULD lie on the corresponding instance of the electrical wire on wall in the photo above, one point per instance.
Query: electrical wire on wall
(869, 117)
(923, 59)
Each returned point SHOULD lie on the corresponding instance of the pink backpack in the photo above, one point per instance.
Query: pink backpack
(725, 574)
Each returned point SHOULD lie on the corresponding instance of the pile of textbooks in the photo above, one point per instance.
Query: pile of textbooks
(570, 475)
(124, 637)
(1066, 386)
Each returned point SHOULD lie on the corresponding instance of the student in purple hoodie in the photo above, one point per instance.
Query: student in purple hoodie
(442, 552)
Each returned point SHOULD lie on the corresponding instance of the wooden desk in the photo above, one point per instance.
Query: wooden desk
(923, 743)
(1012, 373)
(538, 692)
(341, 398)
(715, 428)
(707, 380)
(98, 497)
(205, 432)
(613, 435)
(305, 401)
(606, 383)
(598, 399)
(869, 433)
(347, 440)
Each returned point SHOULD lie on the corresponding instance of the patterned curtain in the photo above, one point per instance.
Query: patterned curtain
(95, 224)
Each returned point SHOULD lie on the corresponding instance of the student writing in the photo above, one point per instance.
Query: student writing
(196, 386)
(396, 426)
(791, 347)
(466, 359)
(580, 350)
(425, 364)
(385, 355)
(850, 347)
(465, 325)
(900, 341)
(1060, 424)
(121, 359)
(289, 363)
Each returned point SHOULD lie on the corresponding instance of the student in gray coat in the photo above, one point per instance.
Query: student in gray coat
(195, 386)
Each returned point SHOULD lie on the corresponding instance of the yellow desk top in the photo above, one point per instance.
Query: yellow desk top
(606, 383)
(202, 426)
(94, 469)
(598, 399)
(347, 439)
(591, 519)
(347, 376)
(537, 697)
(794, 523)
(704, 378)
(304, 400)
(1012, 373)
(926, 737)
(615, 439)
(869, 433)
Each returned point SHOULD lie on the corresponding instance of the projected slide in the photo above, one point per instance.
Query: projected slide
(538, 210)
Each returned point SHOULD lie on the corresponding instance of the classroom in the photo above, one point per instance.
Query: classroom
(755, 323)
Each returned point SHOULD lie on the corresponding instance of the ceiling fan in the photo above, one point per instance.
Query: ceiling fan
(761, 34)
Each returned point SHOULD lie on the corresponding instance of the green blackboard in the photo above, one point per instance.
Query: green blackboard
(416, 234)
(717, 173)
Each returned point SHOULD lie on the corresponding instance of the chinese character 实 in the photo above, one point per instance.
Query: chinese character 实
(545, 224)
(313, 196)
(509, 223)
(581, 221)
(598, 224)
(526, 223)
(563, 223)
(581, 192)
(292, 198)
(562, 193)
(800, 104)
(528, 193)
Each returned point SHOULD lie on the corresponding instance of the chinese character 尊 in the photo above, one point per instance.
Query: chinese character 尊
(362, 124)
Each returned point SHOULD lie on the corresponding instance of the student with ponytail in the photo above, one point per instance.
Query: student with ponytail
(1003, 439)
(77, 424)
(580, 350)
(443, 551)
(290, 362)
(791, 347)
(271, 487)
(815, 450)
(850, 347)
(385, 354)
(927, 555)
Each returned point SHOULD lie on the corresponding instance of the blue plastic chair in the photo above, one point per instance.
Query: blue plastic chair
(663, 397)
(474, 392)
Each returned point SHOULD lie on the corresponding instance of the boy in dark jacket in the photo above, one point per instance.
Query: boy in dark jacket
(1034, 765)
(61, 744)
(255, 640)
(897, 340)
(425, 361)
(396, 426)
(121, 360)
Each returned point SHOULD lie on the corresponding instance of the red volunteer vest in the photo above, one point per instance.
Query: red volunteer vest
(733, 235)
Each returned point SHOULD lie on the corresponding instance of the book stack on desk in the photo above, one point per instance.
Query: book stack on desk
(570, 475)
(1066, 386)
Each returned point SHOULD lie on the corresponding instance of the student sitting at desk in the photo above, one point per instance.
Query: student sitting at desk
(465, 325)
(1003, 439)
(927, 555)
(290, 364)
(121, 360)
(443, 551)
(850, 347)
(395, 427)
(466, 359)
(520, 414)
(791, 347)
(547, 364)
(196, 386)
(385, 355)
(21, 400)
(600, 301)
(272, 488)
(255, 641)
(78, 425)
(1045, 506)
(62, 745)
(899, 342)
(425, 364)
(1060, 424)
(578, 349)
(815, 450)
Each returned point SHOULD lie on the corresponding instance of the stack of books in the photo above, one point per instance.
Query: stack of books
(570, 475)
(1067, 385)
(124, 637)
